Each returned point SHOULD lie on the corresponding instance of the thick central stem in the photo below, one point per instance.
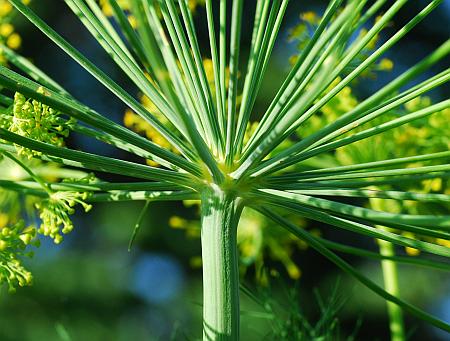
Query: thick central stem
(220, 216)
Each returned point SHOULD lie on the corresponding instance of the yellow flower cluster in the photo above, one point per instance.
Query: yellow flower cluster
(8, 36)
(13, 242)
(55, 211)
(39, 122)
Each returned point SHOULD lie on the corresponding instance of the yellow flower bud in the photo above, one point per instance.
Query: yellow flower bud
(386, 64)
(6, 29)
(5, 8)
(14, 41)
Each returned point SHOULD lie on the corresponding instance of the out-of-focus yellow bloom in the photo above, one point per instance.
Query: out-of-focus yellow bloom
(443, 242)
(195, 262)
(14, 41)
(386, 64)
(412, 251)
(8, 36)
(132, 20)
(177, 222)
(5, 8)
(6, 29)
(432, 185)
(4, 218)
(310, 17)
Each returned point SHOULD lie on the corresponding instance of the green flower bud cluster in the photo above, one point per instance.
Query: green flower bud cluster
(39, 122)
(5, 120)
(13, 242)
(55, 212)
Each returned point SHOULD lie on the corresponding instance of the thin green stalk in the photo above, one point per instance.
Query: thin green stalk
(105, 22)
(378, 164)
(158, 55)
(294, 77)
(361, 193)
(265, 21)
(122, 58)
(216, 65)
(273, 26)
(220, 216)
(143, 195)
(71, 107)
(361, 228)
(95, 187)
(211, 110)
(6, 101)
(223, 60)
(318, 246)
(137, 225)
(361, 183)
(113, 141)
(263, 60)
(170, 61)
(96, 162)
(293, 120)
(236, 24)
(194, 79)
(433, 222)
(151, 49)
(129, 32)
(179, 65)
(370, 12)
(407, 260)
(111, 196)
(368, 174)
(390, 278)
(377, 97)
(280, 161)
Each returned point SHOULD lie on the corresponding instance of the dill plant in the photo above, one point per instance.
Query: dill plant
(209, 158)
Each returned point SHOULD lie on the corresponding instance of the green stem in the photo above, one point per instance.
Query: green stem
(220, 216)
(390, 276)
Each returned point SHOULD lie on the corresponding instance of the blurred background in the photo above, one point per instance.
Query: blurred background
(91, 288)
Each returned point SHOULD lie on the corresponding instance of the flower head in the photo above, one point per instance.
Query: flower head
(39, 122)
(55, 212)
(13, 242)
